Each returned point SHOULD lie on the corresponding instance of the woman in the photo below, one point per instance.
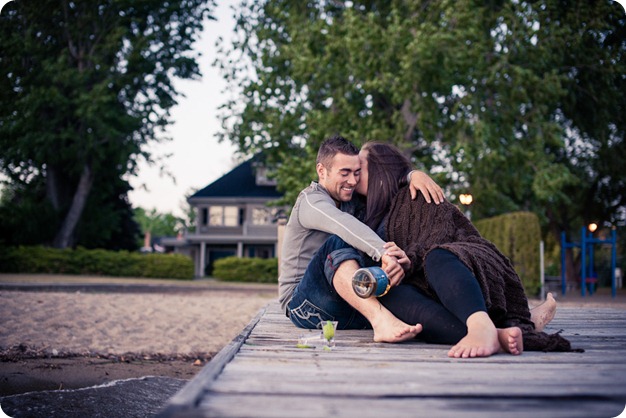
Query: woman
(450, 263)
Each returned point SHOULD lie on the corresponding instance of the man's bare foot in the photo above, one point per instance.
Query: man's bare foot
(481, 339)
(542, 315)
(511, 340)
(392, 330)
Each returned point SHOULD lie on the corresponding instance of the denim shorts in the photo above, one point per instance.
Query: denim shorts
(315, 299)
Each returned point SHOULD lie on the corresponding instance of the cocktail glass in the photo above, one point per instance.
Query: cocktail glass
(328, 333)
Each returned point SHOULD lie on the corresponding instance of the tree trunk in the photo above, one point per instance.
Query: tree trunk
(58, 189)
(52, 188)
(410, 119)
(65, 235)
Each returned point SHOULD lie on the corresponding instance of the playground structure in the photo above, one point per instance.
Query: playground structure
(588, 274)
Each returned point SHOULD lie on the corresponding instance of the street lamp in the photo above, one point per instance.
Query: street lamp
(466, 200)
(592, 227)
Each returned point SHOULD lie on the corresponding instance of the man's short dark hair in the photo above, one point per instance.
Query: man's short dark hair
(332, 146)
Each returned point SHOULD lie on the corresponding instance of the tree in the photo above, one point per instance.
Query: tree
(519, 102)
(109, 218)
(158, 224)
(85, 86)
(190, 213)
(154, 224)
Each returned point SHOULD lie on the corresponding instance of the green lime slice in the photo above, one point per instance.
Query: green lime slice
(329, 330)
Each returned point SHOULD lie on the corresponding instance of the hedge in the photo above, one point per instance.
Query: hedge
(44, 260)
(234, 269)
(517, 235)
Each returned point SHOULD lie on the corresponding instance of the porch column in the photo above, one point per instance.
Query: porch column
(200, 272)
(240, 249)
(282, 222)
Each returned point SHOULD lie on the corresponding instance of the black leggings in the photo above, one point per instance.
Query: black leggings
(457, 289)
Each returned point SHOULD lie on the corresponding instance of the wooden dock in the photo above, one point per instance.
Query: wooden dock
(262, 373)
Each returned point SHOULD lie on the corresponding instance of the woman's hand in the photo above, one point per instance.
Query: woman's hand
(399, 254)
(422, 182)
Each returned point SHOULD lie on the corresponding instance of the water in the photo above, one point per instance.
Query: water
(131, 398)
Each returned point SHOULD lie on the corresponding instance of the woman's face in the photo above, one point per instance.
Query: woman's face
(361, 187)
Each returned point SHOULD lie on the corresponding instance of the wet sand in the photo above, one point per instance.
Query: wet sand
(60, 340)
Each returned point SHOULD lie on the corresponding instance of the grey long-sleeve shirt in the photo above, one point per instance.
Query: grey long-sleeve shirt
(313, 219)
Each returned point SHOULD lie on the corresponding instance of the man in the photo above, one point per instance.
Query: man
(311, 294)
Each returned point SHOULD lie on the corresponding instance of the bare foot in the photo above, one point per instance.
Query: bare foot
(511, 340)
(481, 339)
(392, 330)
(542, 315)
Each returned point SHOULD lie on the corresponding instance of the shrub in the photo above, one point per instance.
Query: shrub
(517, 235)
(234, 269)
(95, 262)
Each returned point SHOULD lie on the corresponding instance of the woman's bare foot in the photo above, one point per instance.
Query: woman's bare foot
(511, 340)
(481, 339)
(542, 315)
(392, 330)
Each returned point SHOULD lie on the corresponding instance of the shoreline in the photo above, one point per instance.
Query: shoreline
(59, 339)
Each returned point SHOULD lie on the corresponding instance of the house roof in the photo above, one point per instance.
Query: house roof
(239, 182)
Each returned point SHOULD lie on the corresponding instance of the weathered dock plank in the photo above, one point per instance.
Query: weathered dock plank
(263, 374)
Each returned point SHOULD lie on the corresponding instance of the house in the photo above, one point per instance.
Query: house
(232, 218)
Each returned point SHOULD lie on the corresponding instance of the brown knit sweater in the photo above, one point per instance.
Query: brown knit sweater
(419, 227)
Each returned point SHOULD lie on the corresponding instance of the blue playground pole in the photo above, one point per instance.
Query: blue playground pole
(613, 243)
(563, 247)
(613, 261)
(586, 246)
(583, 266)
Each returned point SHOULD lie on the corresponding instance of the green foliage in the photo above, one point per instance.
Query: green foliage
(84, 88)
(258, 270)
(520, 103)
(158, 224)
(24, 220)
(27, 218)
(517, 235)
(108, 221)
(42, 260)
(552, 255)
(190, 212)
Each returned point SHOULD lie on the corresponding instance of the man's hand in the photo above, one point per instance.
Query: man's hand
(422, 182)
(394, 270)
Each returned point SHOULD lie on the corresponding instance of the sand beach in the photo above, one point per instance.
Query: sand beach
(65, 332)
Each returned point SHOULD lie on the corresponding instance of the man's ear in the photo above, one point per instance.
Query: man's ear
(321, 171)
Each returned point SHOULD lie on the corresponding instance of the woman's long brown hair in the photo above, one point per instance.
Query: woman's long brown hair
(387, 168)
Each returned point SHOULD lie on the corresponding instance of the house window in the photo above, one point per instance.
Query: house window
(223, 215)
(205, 216)
(263, 216)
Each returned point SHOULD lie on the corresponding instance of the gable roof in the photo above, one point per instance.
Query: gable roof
(239, 182)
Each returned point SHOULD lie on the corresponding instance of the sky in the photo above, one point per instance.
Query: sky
(197, 158)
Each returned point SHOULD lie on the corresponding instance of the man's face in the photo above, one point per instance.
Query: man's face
(341, 178)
